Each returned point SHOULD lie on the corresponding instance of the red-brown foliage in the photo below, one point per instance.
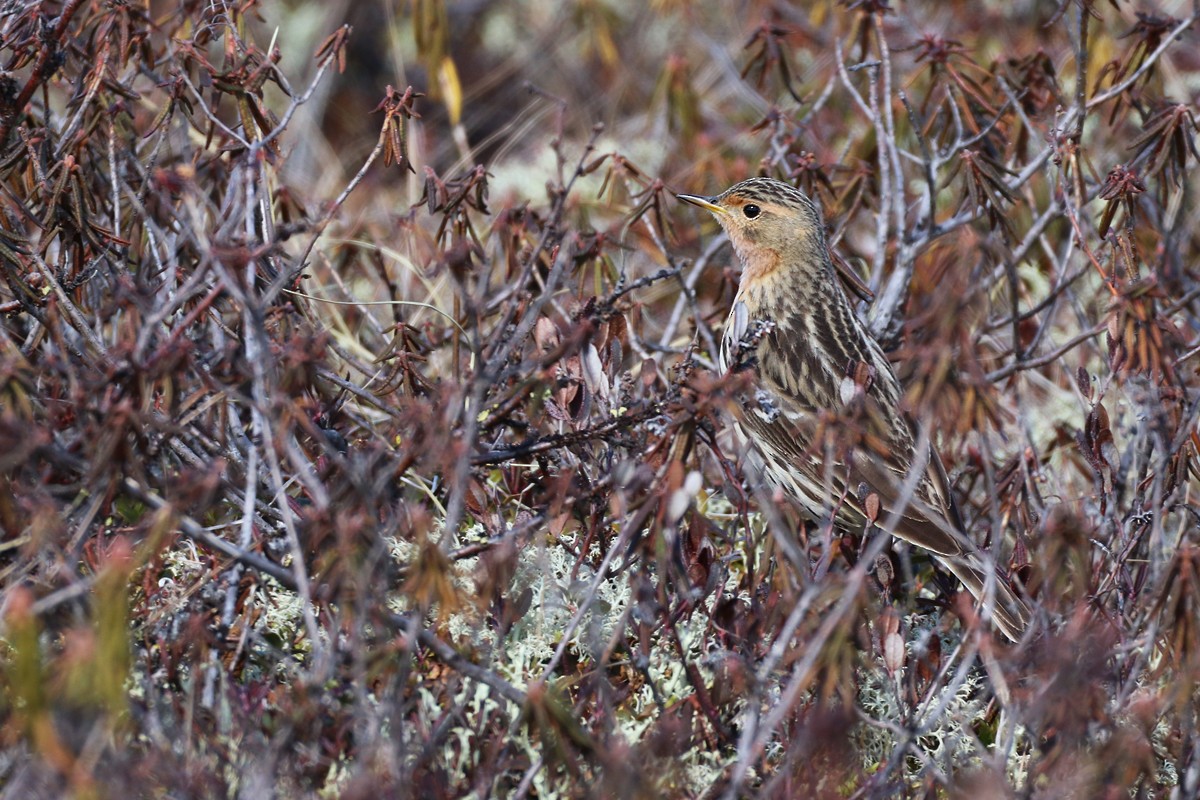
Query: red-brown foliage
(360, 429)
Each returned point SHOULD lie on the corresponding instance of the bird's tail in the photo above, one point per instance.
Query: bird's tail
(1009, 612)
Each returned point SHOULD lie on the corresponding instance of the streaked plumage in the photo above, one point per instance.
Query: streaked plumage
(816, 365)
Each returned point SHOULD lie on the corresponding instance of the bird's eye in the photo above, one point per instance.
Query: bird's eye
(751, 211)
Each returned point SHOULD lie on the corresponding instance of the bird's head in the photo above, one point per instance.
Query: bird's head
(770, 224)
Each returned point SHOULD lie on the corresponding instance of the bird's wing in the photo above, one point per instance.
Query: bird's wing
(923, 519)
(803, 454)
(1009, 612)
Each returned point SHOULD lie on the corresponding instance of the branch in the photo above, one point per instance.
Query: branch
(1113, 91)
(38, 76)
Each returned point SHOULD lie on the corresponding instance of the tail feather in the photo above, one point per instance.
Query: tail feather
(1009, 613)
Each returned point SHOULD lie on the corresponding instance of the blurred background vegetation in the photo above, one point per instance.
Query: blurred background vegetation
(361, 435)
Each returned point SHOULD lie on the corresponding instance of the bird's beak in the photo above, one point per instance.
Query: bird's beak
(704, 202)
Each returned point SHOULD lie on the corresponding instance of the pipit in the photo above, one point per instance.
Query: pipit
(824, 413)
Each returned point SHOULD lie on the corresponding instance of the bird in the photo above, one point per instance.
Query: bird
(816, 369)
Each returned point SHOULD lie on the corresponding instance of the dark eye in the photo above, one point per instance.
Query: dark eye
(751, 210)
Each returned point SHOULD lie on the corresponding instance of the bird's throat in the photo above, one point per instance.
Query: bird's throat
(761, 265)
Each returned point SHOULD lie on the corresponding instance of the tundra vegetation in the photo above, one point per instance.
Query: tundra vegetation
(361, 433)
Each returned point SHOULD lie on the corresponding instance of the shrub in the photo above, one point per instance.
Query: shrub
(361, 439)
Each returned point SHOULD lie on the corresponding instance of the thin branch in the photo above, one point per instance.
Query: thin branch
(1146, 65)
(197, 532)
(1048, 358)
(40, 72)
